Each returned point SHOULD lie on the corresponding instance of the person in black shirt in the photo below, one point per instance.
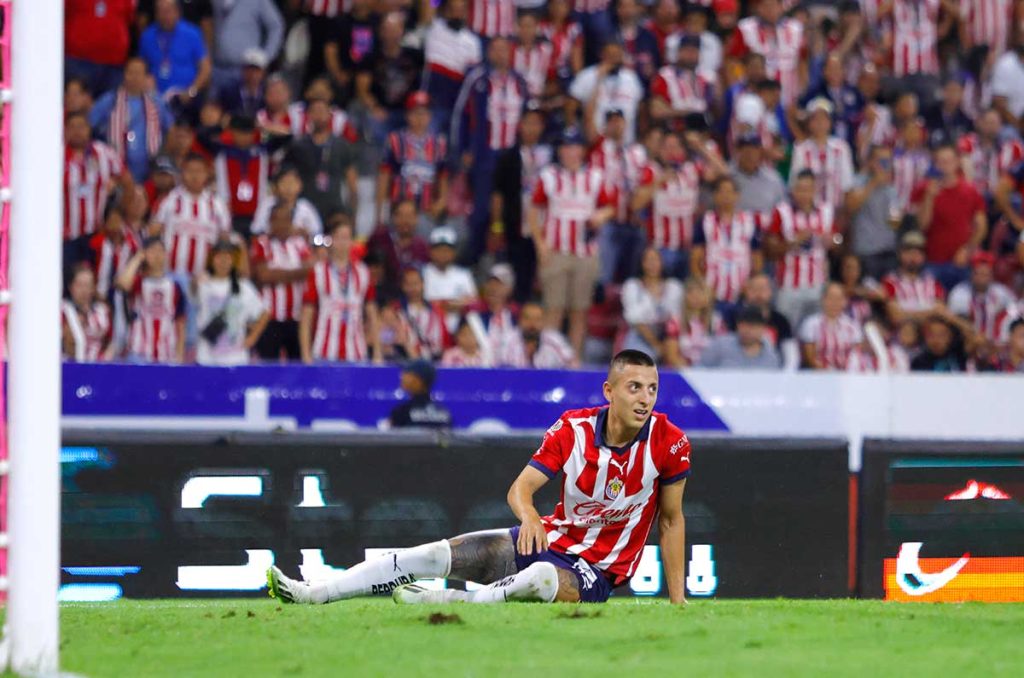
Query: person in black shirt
(351, 47)
(392, 74)
(943, 348)
(419, 410)
(324, 161)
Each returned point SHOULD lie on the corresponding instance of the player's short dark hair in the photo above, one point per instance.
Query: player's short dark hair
(630, 356)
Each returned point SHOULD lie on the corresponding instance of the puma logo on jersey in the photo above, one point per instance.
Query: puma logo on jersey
(619, 465)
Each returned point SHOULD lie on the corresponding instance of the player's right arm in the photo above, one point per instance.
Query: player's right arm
(520, 500)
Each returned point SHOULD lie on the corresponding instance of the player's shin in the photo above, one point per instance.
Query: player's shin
(385, 573)
(538, 582)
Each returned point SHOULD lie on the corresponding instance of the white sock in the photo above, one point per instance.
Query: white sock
(383, 574)
(538, 582)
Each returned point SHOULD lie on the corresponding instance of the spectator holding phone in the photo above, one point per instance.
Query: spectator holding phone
(230, 314)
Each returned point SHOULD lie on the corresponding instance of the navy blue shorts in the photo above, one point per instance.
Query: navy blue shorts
(594, 586)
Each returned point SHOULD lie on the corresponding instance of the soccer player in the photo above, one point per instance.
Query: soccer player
(624, 466)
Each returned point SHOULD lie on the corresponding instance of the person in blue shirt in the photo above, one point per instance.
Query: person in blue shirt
(176, 55)
(132, 120)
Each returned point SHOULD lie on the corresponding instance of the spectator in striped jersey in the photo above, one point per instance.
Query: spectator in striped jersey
(910, 161)
(1011, 358)
(912, 292)
(229, 312)
(112, 247)
(679, 90)
(536, 345)
(493, 311)
(828, 156)
(532, 54)
(281, 261)
(492, 18)
(687, 335)
(642, 53)
(156, 305)
(829, 336)
(467, 351)
(422, 331)
(566, 36)
(86, 325)
(981, 299)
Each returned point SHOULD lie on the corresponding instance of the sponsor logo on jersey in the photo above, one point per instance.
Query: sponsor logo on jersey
(613, 488)
(679, 446)
(590, 512)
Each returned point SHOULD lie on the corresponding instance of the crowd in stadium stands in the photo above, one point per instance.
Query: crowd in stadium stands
(536, 183)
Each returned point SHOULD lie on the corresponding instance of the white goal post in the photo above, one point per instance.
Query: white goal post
(33, 540)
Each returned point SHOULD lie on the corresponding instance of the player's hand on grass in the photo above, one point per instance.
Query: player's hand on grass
(532, 537)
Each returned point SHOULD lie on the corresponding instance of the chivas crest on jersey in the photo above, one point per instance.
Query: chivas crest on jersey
(613, 488)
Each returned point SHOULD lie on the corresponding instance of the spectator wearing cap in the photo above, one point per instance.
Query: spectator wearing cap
(824, 154)
(230, 314)
(537, 346)
(247, 96)
(419, 410)
(132, 120)
(828, 337)
(339, 321)
(875, 214)
(163, 178)
(669, 193)
(621, 166)
(515, 178)
(760, 186)
(349, 49)
(450, 49)
(532, 53)
(569, 204)
(242, 167)
(287, 193)
(696, 17)
(912, 292)
(393, 73)
(847, 102)
(484, 123)
(781, 41)
(747, 348)
(325, 162)
(86, 327)
(176, 54)
(191, 219)
(156, 303)
(980, 299)
(952, 215)
(679, 90)
(446, 282)
(239, 27)
(415, 166)
(92, 170)
(800, 237)
(608, 84)
(642, 52)
(97, 40)
(495, 315)
(398, 244)
(281, 260)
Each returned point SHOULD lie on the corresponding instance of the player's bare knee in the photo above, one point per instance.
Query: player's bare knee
(568, 588)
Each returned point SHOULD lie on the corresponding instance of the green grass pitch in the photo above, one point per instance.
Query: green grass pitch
(254, 638)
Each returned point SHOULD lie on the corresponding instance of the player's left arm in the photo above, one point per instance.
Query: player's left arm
(672, 531)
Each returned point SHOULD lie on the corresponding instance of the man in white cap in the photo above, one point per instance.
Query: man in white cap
(247, 95)
(239, 27)
(824, 154)
(444, 281)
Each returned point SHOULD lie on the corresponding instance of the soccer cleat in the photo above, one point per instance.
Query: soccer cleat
(414, 594)
(286, 590)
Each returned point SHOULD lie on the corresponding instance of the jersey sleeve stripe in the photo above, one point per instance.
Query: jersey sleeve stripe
(542, 468)
(676, 478)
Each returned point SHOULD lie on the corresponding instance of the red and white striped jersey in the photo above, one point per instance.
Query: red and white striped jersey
(806, 267)
(984, 309)
(109, 258)
(456, 357)
(673, 210)
(729, 248)
(864, 361)
(90, 329)
(533, 62)
(283, 300)
(191, 225)
(683, 90)
(571, 199)
(242, 182)
(553, 352)
(833, 338)
(914, 28)
(832, 165)
(869, 9)
(782, 47)
(622, 167)
(913, 293)
(609, 495)
(339, 296)
(563, 40)
(989, 22)
(489, 18)
(492, 103)
(417, 164)
(328, 8)
(908, 168)
(590, 6)
(426, 322)
(156, 304)
(298, 121)
(989, 162)
(88, 180)
(693, 336)
(1012, 312)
